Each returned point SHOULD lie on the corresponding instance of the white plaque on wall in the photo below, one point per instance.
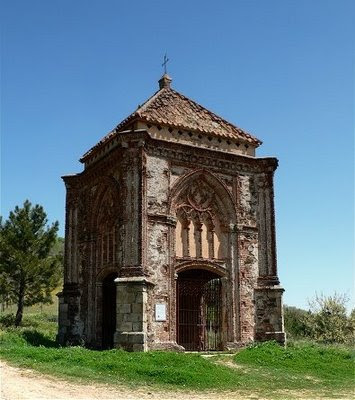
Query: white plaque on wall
(160, 312)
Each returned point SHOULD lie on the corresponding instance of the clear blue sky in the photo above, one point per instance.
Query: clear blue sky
(283, 70)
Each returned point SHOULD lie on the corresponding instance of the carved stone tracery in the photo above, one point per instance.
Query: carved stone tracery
(201, 207)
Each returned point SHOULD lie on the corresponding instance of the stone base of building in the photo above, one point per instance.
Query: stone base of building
(279, 337)
(234, 346)
(166, 346)
(131, 341)
(269, 324)
(131, 324)
(70, 331)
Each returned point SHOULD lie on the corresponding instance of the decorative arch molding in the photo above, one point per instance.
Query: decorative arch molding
(208, 180)
(217, 268)
(104, 273)
(204, 210)
(107, 184)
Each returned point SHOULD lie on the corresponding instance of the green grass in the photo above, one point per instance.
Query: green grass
(302, 364)
(36, 348)
(267, 370)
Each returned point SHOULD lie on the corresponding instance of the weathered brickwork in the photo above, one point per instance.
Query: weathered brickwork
(147, 212)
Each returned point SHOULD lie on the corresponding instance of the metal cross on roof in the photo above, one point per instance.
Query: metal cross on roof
(164, 63)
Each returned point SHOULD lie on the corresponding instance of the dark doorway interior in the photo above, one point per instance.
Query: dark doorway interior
(199, 310)
(108, 310)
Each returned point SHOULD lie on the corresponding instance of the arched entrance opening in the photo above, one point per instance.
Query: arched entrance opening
(108, 310)
(199, 310)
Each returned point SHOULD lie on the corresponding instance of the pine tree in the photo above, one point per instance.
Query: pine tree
(28, 270)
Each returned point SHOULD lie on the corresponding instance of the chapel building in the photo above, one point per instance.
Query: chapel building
(170, 235)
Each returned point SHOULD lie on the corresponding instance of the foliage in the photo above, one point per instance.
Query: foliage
(57, 250)
(326, 320)
(295, 322)
(28, 270)
(266, 370)
(7, 320)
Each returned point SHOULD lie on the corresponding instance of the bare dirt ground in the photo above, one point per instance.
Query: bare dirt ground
(25, 384)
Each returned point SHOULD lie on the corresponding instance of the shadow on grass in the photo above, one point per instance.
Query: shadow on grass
(35, 338)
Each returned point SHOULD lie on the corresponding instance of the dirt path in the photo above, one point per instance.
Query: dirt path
(25, 384)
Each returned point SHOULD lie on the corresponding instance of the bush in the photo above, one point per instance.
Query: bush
(295, 322)
(7, 320)
(326, 320)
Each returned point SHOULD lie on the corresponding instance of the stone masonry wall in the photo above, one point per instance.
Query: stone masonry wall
(157, 248)
(269, 314)
(248, 275)
(140, 176)
(158, 274)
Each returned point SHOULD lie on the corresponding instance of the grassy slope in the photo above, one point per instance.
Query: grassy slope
(266, 369)
(302, 365)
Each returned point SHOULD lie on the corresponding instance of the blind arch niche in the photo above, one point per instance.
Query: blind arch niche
(204, 211)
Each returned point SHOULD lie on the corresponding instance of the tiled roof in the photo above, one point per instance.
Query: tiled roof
(167, 107)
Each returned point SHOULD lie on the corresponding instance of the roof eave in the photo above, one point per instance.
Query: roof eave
(251, 139)
(136, 117)
(107, 138)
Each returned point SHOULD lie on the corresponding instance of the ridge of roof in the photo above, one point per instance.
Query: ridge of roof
(171, 108)
(242, 134)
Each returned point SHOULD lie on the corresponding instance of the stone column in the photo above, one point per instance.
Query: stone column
(70, 330)
(269, 323)
(210, 240)
(248, 277)
(198, 239)
(185, 226)
(131, 325)
(131, 209)
(268, 293)
(131, 212)
(266, 228)
(234, 289)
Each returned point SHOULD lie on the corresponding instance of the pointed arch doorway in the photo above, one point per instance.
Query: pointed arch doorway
(108, 310)
(199, 310)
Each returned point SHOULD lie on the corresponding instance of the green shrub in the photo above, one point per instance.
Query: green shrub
(7, 320)
(326, 320)
(296, 322)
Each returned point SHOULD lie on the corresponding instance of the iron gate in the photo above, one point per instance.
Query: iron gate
(199, 310)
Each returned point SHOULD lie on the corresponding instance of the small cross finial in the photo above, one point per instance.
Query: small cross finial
(164, 63)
